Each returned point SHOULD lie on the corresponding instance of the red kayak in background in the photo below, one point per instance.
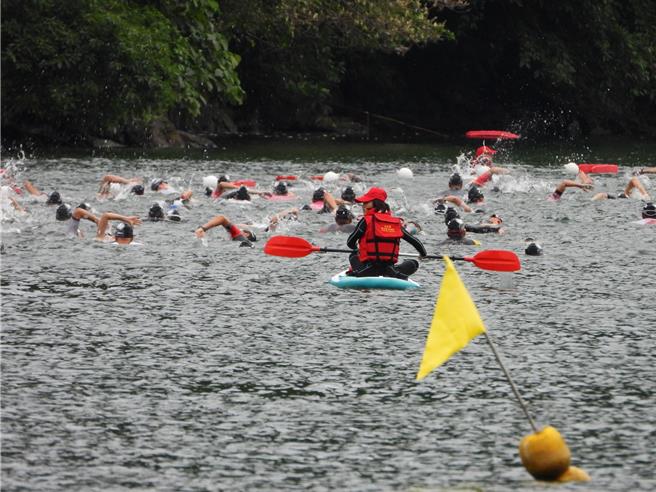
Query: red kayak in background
(491, 135)
(598, 168)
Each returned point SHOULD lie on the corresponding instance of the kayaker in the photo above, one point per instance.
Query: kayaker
(123, 233)
(343, 221)
(245, 237)
(74, 216)
(377, 237)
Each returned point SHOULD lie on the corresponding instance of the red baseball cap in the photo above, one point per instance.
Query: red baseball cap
(372, 194)
(484, 149)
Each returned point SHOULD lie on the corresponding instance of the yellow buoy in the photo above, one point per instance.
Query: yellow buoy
(574, 474)
(544, 454)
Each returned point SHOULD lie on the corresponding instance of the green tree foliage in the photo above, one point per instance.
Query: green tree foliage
(294, 51)
(95, 66)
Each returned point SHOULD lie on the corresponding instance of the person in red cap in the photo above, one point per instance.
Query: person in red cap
(483, 156)
(376, 240)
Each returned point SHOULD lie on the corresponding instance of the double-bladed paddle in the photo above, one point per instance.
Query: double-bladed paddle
(497, 260)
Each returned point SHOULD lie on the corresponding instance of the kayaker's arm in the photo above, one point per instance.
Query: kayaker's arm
(360, 229)
(416, 243)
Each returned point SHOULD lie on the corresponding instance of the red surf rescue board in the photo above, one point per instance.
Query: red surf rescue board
(491, 135)
(598, 168)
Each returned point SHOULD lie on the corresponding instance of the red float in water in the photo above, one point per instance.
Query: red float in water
(250, 183)
(598, 168)
(286, 178)
(491, 135)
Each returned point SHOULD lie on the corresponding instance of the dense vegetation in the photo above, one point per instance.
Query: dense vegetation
(112, 68)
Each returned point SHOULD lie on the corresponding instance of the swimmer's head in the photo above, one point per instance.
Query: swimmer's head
(343, 215)
(440, 208)
(156, 212)
(348, 194)
(474, 195)
(223, 179)
(318, 195)
(250, 235)
(54, 198)
(84, 206)
(455, 229)
(455, 181)
(533, 249)
(649, 211)
(208, 191)
(173, 215)
(242, 194)
(64, 212)
(450, 214)
(138, 189)
(156, 183)
(280, 188)
(495, 219)
(123, 234)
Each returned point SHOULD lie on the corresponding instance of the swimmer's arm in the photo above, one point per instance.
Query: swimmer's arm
(16, 205)
(31, 189)
(568, 183)
(329, 200)
(219, 220)
(105, 218)
(647, 170)
(634, 182)
(459, 202)
(80, 213)
(584, 178)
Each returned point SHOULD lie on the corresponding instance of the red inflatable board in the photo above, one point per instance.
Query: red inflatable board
(598, 168)
(491, 135)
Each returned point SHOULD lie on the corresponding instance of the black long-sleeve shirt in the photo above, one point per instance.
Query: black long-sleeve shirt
(361, 228)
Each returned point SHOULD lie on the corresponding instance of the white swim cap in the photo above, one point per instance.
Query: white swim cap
(210, 182)
(571, 168)
(404, 173)
(330, 177)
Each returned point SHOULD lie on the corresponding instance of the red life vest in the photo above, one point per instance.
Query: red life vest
(382, 238)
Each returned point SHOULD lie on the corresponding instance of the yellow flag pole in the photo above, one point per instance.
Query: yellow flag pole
(512, 384)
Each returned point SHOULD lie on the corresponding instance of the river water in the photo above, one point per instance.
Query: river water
(179, 365)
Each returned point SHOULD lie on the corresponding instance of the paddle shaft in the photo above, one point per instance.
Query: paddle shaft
(512, 384)
(411, 255)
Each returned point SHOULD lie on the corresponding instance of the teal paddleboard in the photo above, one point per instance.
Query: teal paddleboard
(343, 281)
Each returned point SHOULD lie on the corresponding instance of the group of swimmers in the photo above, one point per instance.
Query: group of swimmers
(375, 237)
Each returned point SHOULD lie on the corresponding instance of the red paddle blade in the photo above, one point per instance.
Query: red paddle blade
(289, 246)
(497, 260)
(491, 135)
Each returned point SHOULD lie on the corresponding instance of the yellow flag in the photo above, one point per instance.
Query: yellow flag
(455, 322)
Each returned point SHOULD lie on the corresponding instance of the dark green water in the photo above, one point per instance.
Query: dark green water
(181, 366)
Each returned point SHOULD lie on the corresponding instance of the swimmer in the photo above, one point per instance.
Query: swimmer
(163, 211)
(135, 184)
(123, 234)
(492, 225)
(245, 237)
(585, 185)
(483, 156)
(160, 186)
(647, 170)
(343, 222)
(290, 214)
(457, 234)
(475, 197)
(322, 201)
(74, 216)
(486, 176)
(347, 197)
(451, 194)
(53, 199)
(633, 184)
(648, 214)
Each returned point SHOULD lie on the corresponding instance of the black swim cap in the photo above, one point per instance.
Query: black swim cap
(533, 249)
(64, 212)
(223, 179)
(318, 195)
(242, 194)
(649, 211)
(54, 198)
(137, 189)
(440, 209)
(455, 228)
(455, 180)
(474, 194)
(156, 212)
(123, 229)
(250, 235)
(343, 215)
(84, 206)
(450, 214)
(280, 188)
(155, 184)
(208, 191)
(348, 194)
